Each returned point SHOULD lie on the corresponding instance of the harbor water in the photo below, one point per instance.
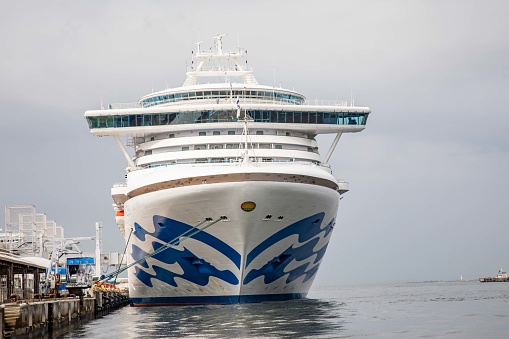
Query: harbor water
(411, 310)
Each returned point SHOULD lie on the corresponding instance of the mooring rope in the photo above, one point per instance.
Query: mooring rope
(123, 254)
(177, 240)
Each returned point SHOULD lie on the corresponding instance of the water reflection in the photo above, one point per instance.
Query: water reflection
(290, 319)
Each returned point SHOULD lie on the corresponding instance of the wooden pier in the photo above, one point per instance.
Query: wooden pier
(26, 313)
(53, 317)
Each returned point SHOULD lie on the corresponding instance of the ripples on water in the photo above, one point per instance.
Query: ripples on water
(453, 310)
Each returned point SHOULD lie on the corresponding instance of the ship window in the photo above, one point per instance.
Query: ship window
(201, 160)
(185, 148)
(199, 147)
(148, 119)
(216, 133)
(264, 146)
(232, 146)
(149, 152)
(259, 132)
(278, 146)
(202, 133)
(216, 160)
(172, 135)
(231, 132)
(287, 134)
(217, 146)
(266, 159)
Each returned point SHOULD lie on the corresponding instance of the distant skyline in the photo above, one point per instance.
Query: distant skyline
(428, 177)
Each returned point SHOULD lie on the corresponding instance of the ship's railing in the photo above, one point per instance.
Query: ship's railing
(126, 105)
(120, 184)
(318, 102)
(223, 100)
(219, 69)
(255, 161)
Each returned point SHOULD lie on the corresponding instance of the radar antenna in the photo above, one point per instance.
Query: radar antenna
(216, 63)
(219, 43)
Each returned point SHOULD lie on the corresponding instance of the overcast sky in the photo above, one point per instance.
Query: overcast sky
(429, 177)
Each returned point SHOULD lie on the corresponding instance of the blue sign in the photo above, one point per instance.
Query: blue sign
(80, 261)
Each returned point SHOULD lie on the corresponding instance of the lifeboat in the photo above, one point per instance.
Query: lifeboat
(119, 218)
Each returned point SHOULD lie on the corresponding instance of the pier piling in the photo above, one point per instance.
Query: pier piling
(37, 318)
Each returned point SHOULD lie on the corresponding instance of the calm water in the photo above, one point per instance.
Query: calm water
(445, 309)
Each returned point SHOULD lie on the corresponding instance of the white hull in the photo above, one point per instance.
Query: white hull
(222, 263)
(204, 154)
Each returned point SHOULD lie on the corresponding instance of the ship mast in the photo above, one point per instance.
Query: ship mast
(217, 63)
(245, 133)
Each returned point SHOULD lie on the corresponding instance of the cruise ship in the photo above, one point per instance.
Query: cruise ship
(226, 197)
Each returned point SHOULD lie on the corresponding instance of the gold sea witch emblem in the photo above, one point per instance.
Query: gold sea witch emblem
(248, 206)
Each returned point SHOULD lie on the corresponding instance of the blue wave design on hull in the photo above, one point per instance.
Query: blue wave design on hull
(275, 268)
(307, 229)
(198, 270)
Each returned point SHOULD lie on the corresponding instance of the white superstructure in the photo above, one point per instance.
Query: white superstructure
(236, 164)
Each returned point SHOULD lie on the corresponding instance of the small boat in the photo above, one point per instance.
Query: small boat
(501, 276)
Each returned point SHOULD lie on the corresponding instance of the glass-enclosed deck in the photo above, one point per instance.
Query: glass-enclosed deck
(227, 115)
